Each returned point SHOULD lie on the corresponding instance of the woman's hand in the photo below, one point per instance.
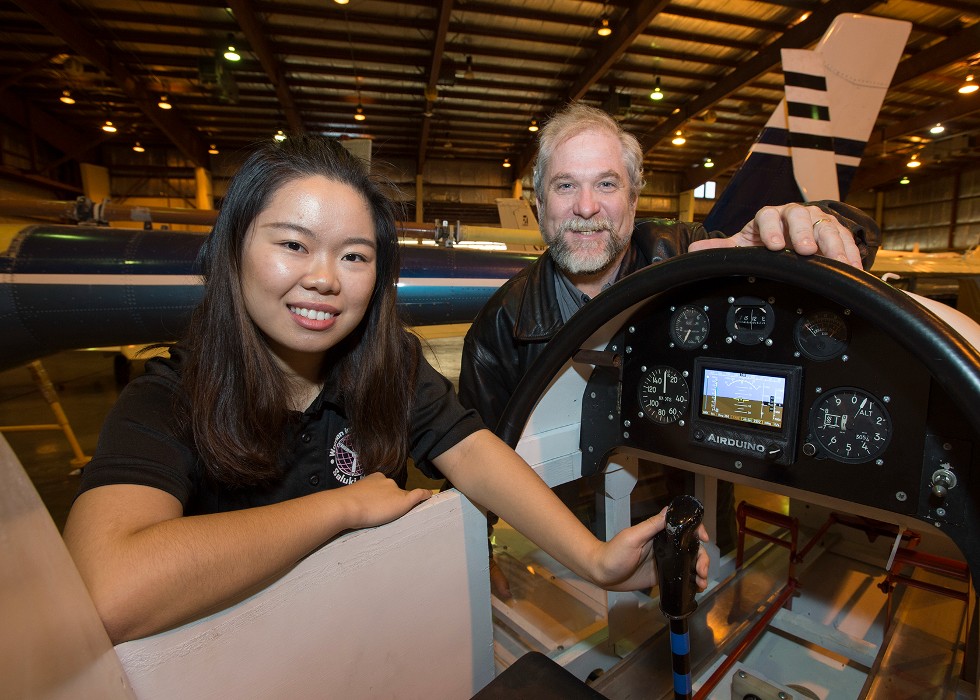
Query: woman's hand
(375, 500)
(625, 563)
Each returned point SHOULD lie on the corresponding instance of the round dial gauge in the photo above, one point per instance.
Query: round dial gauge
(850, 425)
(821, 335)
(750, 320)
(663, 394)
(689, 327)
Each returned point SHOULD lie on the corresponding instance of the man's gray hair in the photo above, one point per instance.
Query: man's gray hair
(573, 120)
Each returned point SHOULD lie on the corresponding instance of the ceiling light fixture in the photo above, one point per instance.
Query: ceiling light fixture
(657, 94)
(604, 28)
(708, 163)
(969, 86)
(914, 161)
(533, 126)
(108, 127)
(138, 147)
(231, 54)
(359, 113)
(937, 129)
(164, 102)
(905, 180)
(341, 2)
(678, 139)
(469, 68)
(66, 97)
(213, 149)
(279, 136)
(506, 162)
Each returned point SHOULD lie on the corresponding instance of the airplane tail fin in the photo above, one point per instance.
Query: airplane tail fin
(812, 144)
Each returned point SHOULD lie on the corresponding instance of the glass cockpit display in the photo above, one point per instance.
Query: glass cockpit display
(743, 397)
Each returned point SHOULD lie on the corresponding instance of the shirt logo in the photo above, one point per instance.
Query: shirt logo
(347, 468)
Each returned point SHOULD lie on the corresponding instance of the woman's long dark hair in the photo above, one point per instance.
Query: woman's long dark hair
(238, 394)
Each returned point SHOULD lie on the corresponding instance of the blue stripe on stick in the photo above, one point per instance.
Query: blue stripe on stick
(682, 684)
(680, 643)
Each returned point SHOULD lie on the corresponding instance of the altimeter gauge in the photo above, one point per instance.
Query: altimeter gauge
(850, 425)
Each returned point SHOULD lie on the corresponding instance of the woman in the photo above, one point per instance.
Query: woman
(222, 466)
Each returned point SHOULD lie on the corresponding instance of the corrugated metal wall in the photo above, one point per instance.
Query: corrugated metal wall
(937, 213)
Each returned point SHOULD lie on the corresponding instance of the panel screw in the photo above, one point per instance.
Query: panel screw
(901, 496)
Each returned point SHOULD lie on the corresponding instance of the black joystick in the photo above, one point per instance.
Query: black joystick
(675, 551)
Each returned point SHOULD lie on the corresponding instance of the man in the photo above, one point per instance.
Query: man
(587, 180)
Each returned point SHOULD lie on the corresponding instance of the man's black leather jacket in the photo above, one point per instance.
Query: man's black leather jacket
(515, 325)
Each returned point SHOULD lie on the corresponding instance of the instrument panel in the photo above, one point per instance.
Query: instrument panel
(777, 383)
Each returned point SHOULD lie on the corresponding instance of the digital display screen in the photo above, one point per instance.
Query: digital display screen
(743, 397)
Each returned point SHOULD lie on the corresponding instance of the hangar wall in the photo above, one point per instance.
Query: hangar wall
(938, 213)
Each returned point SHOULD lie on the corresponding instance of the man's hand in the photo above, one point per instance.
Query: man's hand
(805, 229)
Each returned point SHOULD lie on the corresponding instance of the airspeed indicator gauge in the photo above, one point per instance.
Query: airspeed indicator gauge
(663, 394)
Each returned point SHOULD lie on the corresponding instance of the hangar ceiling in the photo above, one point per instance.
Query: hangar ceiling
(465, 78)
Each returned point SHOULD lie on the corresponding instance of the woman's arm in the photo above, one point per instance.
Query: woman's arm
(493, 475)
(148, 567)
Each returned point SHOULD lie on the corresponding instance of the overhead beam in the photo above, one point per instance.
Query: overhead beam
(431, 86)
(50, 15)
(962, 106)
(255, 34)
(65, 138)
(961, 45)
(800, 36)
(633, 23)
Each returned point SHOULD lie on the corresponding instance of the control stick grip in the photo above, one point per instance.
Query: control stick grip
(675, 551)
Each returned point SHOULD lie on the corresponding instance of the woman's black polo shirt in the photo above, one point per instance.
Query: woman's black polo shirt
(141, 442)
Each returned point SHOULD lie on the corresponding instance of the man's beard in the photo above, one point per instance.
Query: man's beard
(584, 256)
